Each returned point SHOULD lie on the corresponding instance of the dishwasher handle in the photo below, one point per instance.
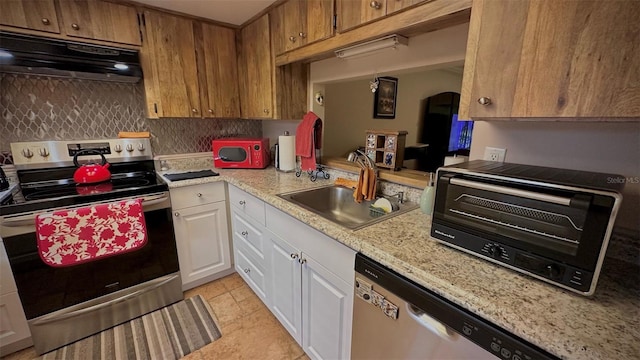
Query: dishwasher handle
(430, 323)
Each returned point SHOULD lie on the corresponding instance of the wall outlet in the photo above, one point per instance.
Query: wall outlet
(494, 154)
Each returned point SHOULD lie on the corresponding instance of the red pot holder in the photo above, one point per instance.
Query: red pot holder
(71, 237)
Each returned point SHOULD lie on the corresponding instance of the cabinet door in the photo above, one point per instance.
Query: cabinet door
(284, 270)
(30, 14)
(352, 13)
(100, 20)
(295, 23)
(550, 59)
(218, 68)
(13, 322)
(397, 5)
(327, 303)
(170, 66)
(256, 70)
(319, 20)
(203, 242)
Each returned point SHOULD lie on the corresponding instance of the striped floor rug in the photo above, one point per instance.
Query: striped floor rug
(169, 333)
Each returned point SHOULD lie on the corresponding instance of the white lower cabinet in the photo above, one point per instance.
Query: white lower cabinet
(303, 276)
(202, 233)
(14, 330)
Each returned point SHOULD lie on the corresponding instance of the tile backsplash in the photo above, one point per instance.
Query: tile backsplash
(36, 108)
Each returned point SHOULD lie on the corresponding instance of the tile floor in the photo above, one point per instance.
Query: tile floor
(249, 330)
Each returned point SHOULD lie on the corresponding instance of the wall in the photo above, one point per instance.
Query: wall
(47, 108)
(601, 147)
(349, 108)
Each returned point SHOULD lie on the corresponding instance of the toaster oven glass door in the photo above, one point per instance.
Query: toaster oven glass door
(563, 225)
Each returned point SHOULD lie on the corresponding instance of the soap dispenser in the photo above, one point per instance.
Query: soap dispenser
(427, 197)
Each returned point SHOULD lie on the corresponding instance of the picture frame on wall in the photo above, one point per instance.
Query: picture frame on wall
(384, 100)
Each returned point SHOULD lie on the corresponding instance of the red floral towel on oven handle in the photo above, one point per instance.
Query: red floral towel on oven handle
(76, 236)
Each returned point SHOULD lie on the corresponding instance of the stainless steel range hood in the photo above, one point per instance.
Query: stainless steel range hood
(39, 56)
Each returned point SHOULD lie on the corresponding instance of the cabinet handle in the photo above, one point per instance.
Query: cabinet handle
(242, 202)
(294, 256)
(46, 21)
(375, 5)
(75, 26)
(177, 214)
(199, 195)
(194, 110)
(302, 261)
(266, 111)
(247, 270)
(210, 111)
(302, 35)
(292, 39)
(484, 101)
(245, 233)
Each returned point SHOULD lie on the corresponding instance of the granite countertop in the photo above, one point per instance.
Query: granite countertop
(571, 326)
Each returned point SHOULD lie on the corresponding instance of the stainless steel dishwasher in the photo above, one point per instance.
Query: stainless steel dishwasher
(394, 318)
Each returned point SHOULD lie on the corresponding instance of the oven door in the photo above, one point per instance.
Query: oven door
(563, 225)
(44, 289)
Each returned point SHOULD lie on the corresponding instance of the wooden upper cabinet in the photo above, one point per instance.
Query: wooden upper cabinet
(352, 13)
(297, 23)
(552, 59)
(397, 5)
(256, 69)
(30, 14)
(169, 66)
(100, 20)
(218, 69)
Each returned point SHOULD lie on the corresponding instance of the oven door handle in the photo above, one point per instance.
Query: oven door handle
(25, 220)
(512, 191)
(58, 316)
(152, 200)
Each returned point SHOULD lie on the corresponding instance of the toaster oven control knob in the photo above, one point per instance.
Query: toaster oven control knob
(129, 147)
(141, 147)
(553, 271)
(27, 153)
(43, 152)
(117, 148)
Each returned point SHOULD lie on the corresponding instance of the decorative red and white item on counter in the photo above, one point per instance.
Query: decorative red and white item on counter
(76, 236)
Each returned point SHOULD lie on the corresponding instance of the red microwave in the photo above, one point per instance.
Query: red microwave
(241, 153)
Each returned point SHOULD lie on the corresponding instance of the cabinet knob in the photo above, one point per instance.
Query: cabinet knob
(294, 255)
(266, 111)
(194, 110)
(177, 214)
(245, 233)
(46, 21)
(375, 5)
(302, 261)
(247, 270)
(302, 35)
(292, 38)
(242, 202)
(199, 195)
(75, 26)
(210, 111)
(484, 101)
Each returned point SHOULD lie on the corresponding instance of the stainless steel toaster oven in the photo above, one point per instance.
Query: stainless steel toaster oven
(552, 224)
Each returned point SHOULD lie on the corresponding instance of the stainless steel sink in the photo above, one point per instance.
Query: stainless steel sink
(335, 203)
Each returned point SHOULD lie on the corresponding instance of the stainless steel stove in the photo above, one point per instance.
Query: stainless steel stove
(63, 305)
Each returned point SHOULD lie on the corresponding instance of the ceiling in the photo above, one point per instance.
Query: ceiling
(233, 12)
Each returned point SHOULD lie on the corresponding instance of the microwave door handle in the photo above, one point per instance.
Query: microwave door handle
(250, 156)
(512, 191)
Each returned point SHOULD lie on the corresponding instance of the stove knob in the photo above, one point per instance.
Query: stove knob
(141, 147)
(117, 148)
(129, 147)
(553, 271)
(27, 153)
(43, 152)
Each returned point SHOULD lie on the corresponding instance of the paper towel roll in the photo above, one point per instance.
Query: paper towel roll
(450, 160)
(287, 152)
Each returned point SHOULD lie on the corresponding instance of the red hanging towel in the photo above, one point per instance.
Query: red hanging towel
(308, 139)
(71, 237)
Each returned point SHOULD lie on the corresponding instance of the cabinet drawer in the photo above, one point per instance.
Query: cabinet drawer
(250, 233)
(247, 204)
(195, 195)
(249, 269)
